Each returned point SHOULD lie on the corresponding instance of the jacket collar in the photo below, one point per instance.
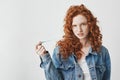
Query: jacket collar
(92, 52)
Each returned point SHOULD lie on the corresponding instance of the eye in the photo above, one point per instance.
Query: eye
(84, 24)
(74, 25)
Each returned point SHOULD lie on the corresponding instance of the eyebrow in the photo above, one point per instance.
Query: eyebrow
(81, 23)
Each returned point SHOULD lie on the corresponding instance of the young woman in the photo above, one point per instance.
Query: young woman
(80, 55)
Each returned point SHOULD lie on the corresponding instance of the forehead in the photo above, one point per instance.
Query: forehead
(79, 19)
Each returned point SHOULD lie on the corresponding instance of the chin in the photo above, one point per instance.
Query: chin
(82, 37)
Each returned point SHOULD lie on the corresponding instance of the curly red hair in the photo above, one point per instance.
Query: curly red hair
(70, 43)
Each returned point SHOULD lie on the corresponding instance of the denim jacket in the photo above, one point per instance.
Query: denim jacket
(57, 68)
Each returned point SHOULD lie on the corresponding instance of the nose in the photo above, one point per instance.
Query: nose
(79, 28)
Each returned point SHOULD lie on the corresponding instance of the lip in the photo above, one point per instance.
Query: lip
(80, 34)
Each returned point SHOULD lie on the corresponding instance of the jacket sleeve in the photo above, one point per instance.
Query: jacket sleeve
(107, 73)
(51, 72)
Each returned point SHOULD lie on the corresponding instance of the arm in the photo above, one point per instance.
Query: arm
(51, 72)
(107, 73)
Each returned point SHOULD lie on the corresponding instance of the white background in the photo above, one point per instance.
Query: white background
(23, 23)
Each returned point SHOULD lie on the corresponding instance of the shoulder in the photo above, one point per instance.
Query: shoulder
(103, 57)
(57, 48)
(60, 62)
(56, 51)
(103, 50)
(56, 57)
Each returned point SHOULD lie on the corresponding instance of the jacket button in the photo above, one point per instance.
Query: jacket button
(79, 75)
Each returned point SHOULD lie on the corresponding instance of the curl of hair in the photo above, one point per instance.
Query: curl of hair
(70, 43)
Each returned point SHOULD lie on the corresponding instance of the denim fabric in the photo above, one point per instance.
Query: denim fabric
(57, 68)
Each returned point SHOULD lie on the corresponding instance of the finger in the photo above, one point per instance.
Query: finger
(37, 46)
(44, 50)
(40, 46)
(38, 49)
(40, 43)
(41, 51)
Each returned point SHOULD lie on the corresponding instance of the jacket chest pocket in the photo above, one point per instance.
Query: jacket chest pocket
(100, 70)
(67, 70)
(66, 65)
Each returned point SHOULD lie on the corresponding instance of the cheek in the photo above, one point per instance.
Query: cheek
(74, 30)
(87, 30)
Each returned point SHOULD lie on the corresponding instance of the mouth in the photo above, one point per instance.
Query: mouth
(80, 34)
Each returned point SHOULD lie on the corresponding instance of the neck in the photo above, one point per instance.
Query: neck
(85, 42)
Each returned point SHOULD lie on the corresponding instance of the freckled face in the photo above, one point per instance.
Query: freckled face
(80, 27)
